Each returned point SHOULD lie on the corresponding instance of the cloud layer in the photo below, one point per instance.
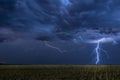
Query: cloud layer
(48, 19)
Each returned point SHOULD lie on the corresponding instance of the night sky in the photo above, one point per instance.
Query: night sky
(59, 31)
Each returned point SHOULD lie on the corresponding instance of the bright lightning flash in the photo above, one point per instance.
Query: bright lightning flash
(98, 49)
(97, 39)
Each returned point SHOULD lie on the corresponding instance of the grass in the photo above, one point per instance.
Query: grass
(62, 72)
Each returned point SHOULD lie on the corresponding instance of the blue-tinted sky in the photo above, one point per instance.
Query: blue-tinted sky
(47, 31)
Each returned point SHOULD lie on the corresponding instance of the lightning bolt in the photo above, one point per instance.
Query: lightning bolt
(51, 46)
(97, 50)
(98, 40)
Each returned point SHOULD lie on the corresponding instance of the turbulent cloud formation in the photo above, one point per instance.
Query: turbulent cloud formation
(51, 19)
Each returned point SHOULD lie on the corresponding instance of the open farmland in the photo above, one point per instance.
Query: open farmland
(60, 72)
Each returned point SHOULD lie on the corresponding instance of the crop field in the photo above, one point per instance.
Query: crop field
(60, 72)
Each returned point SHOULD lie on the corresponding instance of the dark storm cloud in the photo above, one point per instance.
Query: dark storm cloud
(6, 8)
(94, 13)
(25, 26)
(54, 18)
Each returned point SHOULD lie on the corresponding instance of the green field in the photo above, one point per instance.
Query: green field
(63, 72)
